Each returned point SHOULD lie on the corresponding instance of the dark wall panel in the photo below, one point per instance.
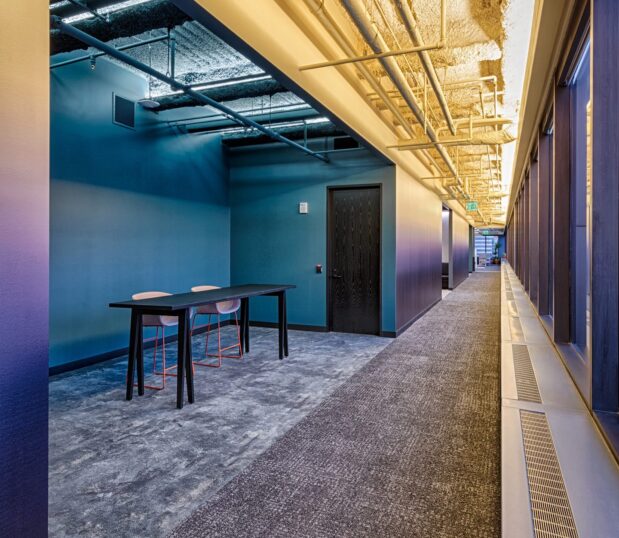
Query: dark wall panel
(24, 231)
(544, 171)
(561, 203)
(533, 231)
(605, 168)
(418, 249)
(527, 243)
(459, 250)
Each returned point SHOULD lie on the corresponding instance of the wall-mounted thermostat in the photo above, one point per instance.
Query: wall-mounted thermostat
(303, 208)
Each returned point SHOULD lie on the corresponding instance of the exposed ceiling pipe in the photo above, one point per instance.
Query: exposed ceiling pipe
(343, 41)
(128, 22)
(358, 13)
(317, 7)
(98, 54)
(426, 62)
(119, 55)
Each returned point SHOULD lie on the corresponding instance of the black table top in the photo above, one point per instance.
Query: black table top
(180, 301)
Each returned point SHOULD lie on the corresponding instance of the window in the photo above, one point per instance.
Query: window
(580, 194)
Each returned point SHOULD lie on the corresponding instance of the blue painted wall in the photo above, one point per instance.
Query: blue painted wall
(272, 242)
(131, 210)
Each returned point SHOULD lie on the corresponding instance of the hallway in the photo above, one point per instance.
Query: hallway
(432, 469)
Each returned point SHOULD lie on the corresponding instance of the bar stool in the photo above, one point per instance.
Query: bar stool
(159, 322)
(217, 309)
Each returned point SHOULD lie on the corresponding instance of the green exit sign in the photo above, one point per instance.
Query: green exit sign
(484, 232)
(471, 206)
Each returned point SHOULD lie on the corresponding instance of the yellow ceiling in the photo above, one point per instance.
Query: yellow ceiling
(448, 119)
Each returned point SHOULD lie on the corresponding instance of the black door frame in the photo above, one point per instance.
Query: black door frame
(330, 189)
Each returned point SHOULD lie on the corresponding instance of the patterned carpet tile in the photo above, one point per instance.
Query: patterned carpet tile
(408, 446)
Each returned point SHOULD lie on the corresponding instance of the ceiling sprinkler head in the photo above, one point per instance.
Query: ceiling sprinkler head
(149, 104)
(93, 62)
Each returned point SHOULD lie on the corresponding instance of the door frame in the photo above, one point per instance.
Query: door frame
(330, 189)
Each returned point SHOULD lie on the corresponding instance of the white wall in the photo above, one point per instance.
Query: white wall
(445, 257)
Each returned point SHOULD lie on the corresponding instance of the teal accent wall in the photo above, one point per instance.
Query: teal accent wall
(272, 242)
(131, 210)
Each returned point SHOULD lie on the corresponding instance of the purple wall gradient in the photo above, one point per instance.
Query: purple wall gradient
(418, 249)
(24, 269)
(459, 250)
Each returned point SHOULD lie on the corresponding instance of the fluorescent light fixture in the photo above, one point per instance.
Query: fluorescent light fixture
(225, 83)
(221, 84)
(274, 126)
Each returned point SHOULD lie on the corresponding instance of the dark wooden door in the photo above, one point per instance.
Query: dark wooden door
(354, 259)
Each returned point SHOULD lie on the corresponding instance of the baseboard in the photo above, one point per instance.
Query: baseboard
(404, 327)
(109, 355)
(388, 334)
(291, 326)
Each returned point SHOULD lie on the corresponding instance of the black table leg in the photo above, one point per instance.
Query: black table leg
(242, 323)
(133, 335)
(245, 324)
(189, 360)
(285, 326)
(181, 359)
(280, 322)
(140, 356)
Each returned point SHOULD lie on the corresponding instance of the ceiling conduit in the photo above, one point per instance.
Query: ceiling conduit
(317, 7)
(372, 36)
(411, 25)
(201, 98)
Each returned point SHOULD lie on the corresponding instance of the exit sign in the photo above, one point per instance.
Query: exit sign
(471, 206)
(484, 232)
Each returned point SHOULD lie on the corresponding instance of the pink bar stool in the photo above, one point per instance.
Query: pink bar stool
(159, 322)
(217, 309)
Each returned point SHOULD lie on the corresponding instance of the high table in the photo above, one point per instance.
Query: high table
(180, 305)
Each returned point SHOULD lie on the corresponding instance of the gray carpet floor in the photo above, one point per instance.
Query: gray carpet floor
(408, 446)
(137, 469)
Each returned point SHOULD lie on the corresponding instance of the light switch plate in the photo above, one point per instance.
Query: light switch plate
(303, 208)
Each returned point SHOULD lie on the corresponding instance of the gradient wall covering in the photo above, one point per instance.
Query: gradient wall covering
(272, 242)
(24, 202)
(418, 248)
(131, 210)
(459, 268)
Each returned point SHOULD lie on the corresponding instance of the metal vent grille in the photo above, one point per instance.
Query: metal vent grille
(124, 112)
(526, 382)
(552, 513)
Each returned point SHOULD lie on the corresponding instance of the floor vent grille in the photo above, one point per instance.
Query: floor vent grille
(552, 513)
(509, 296)
(526, 382)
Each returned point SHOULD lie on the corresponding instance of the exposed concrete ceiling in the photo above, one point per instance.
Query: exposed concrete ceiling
(485, 39)
(465, 140)
(202, 60)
